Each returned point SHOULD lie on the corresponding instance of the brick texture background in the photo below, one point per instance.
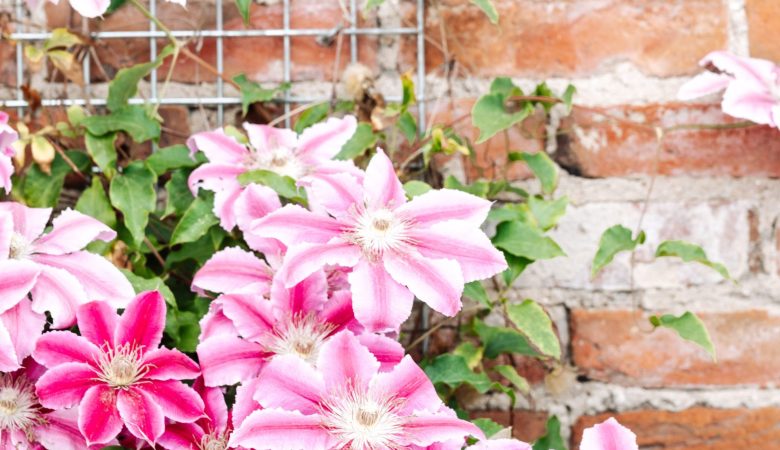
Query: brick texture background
(627, 58)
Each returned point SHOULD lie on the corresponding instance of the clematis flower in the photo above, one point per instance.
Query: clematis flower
(428, 247)
(346, 402)
(608, 435)
(7, 138)
(303, 158)
(52, 266)
(90, 8)
(210, 432)
(25, 424)
(116, 373)
(752, 86)
(298, 321)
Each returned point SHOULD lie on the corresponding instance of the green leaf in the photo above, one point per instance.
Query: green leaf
(535, 324)
(488, 426)
(103, 152)
(504, 86)
(243, 9)
(178, 194)
(490, 116)
(61, 38)
(521, 239)
(363, 139)
(408, 96)
(76, 115)
(689, 327)
(132, 119)
(141, 284)
(252, 92)
(517, 265)
(132, 193)
(283, 185)
(408, 126)
(547, 212)
(542, 166)
(124, 86)
(42, 190)
(475, 291)
(94, 202)
(371, 4)
(690, 253)
(453, 371)
(615, 239)
(479, 188)
(309, 117)
(198, 251)
(173, 157)
(552, 440)
(470, 352)
(113, 6)
(498, 340)
(195, 222)
(488, 8)
(413, 188)
(568, 96)
(183, 328)
(515, 378)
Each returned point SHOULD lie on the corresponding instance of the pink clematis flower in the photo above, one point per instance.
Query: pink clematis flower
(428, 247)
(303, 158)
(52, 266)
(7, 138)
(608, 435)
(25, 424)
(116, 373)
(346, 402)
(90, 8)
(752, 87)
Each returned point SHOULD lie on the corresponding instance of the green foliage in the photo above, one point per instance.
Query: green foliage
(690, 253)
(547, 213)
(542, 166)
(133, 120)
(103, 152)
(173, 157)
(141, 284)
(414, 188)
(94, 202)
(689, 327)
(124, 86)
(315, 114)
(475, 291)
(243, 9)
(490, 113)
(195, 223)
(453, 371)
(519, 382)
(552, 440)
(614, 240)
(489, 427)
(42, 190)
(282, 184)
(363, 139)
(527, 241)
(488, 8)
(252, 92)
(498, 340)
(534, 323)
(132, 193)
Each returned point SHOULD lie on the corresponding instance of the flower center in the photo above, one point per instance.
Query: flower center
(20, 247)
(122, 366)
(362, 421)
(19, 408)
(378, 231)
(279, 159)
(301, 336)
(213, 441)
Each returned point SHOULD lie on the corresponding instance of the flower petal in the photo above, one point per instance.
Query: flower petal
(255, 202)
(24, 327)
(143, 321)
(306, 296)
(338, 311)
(72, 231)
(500, 444)
(231, 270)
(17, 278)
(142, 416)
(293, 224)
(225, 205)
(446, 204)
(64, 385)
(381, 185)
(426, 429)
(464, 243)
(754, 71)
(265, 138)
(170, 364)
(178, 401)
(6, 230)
(276, 429)
(60, 347)
(9, 360)
(61, 431)
(437, 282)
(323, 141)
(379, 302)
(344, 361)
(291, 383)
(215, 177)
(228, 360)
(98, 322)
(99, 419)
(91, 8)
(215, 323)
(214, 405)
(251, 314)
(245, 403)
(29, 222)
(218, 147)
(334, 194)
(705, 83)
(60, 293)
(608, 435)
(750, 102)
(303, 260)
(408, 382)
(388, 352)
(181, 436)
(6, 170)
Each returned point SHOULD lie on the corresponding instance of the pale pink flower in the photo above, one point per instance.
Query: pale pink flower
(501, 444)
(7, 138)
(752, 86)
(303, 158)
(428, 247)
(608, 435)
(346, 402)
(20, 328)
(52, 266)
(25, 424)
(116, 373)
(90, 8)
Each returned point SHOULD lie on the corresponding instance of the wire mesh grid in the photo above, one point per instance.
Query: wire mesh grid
(220, 100)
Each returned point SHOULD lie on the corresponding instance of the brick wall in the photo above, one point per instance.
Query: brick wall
(627, 58)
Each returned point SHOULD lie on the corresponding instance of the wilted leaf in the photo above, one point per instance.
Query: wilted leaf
(534, 323)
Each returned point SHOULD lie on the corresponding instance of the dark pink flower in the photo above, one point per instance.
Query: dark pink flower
(347, 402)
(7, 138)
(116, 373)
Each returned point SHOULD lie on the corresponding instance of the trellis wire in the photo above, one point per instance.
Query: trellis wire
(219, 100)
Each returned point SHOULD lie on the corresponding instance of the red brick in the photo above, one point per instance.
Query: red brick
(696, 428)
(617, 346)
(603, 142)
(528, 426)
(764, 28)
(540, 38)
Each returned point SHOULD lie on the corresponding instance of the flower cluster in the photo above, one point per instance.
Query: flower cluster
(303, 322)
(8, 136)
